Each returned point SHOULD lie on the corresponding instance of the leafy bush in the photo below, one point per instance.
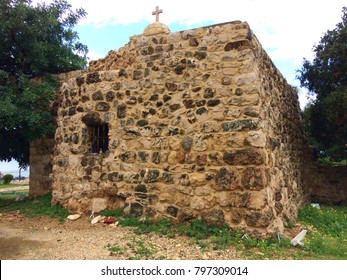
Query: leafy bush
(7, 178)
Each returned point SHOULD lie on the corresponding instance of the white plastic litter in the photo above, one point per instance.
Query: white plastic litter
(20, 197)
(315, 205)
(299, 238)
(115, 225)
(245, 236)
(91, 215)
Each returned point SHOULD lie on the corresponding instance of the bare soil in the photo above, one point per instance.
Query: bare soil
(17, 188)
(43, 238)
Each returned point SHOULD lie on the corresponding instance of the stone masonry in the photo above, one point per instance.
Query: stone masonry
(199, 124)
(41, 154)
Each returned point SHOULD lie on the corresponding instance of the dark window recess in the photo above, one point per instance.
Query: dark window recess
(99, 138)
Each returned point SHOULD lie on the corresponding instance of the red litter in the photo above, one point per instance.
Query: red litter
(109, 220)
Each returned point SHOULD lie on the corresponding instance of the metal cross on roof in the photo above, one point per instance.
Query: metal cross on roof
(156, 13)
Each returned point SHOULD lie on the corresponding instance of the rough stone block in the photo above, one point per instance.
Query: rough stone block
(209, 127)
(244, 157)
(197, 203)
(97, 95)
(102, 106)
(99, 204)
(92, 118)
(136, 209)
(152, 176)
(236, 45)
(214, 217)
(187, 143)
(227, 179)
(200, 143)
(197, 179)
(203, 191)
(172, 211)
(259, 219)
(257, 200)
(254, 178)
(241, 125)
(93, 78)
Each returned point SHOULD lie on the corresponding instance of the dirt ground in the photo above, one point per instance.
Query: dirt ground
(19, 188)
(43, 238)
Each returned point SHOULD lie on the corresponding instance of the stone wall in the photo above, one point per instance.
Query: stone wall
(326, 184)
(330, 185)
(280, 112)
(41, 153)
(200, 124)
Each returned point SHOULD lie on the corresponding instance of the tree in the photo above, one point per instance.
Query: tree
(35, 43)
(7, 179)
(325, 77)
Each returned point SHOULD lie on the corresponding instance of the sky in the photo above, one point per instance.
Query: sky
(287, 30)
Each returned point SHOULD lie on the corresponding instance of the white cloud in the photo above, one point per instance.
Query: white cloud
(303, 99)
(288, 28)
(92, 55)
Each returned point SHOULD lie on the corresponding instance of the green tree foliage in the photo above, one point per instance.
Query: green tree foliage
(326, 79)
(35, 43)
(7, 179)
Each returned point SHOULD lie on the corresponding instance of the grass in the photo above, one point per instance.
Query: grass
(11, 195)
(11, 185)
(326, 237)
(327, 161)
(144, 251)
(139, 248)
(115, 213)
(115, 248)
(34, 207)
(327, 234)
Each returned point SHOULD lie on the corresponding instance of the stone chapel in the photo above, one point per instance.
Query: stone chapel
(197, 124)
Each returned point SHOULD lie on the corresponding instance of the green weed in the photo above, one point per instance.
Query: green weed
(129, 222)
(327, 239)
(198, 229)
(160, 227)
(145, 226)
(113, 213)
(40, 206)
(328, 220)
(140, 249)
(115, 248)
(143, 251)
(203, 245)
(289, 224)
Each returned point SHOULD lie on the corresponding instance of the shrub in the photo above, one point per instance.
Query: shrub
(7, 178)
